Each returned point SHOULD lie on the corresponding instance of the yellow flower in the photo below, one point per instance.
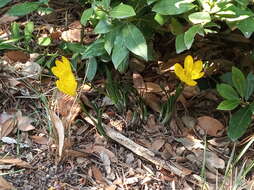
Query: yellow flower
(67, 82)
(190, 72)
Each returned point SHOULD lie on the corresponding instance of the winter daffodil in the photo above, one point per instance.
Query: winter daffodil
(66, 82)
(191, 71)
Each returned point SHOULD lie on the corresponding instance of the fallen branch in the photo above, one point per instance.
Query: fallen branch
(142, 151)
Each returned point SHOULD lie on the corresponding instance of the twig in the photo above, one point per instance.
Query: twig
(142, 151)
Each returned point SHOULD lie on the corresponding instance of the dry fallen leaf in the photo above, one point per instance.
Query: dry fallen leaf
(7, 127)
(211, 126)
(151, 125)
(15, 161)
(157, 144)
(24, 123)
(17, 56)
(67, 107)
(153, 87)
(98, 175)
(190, 142)
(5, 185)
(40, 139)
(139, 83)
(190, 91)
(57, 123)
(153, 101)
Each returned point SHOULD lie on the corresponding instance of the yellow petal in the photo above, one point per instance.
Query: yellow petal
(198, 66)
(179, 71)
(197, 75)
(188, 64)
(66, 63)
(191, 82)
(67, 87)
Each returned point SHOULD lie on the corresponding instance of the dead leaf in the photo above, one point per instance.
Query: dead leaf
(30, 69)
(152, 87)
(7, 127)
(139, 83)
(211, 126)
(15, 161)
(190, 142)
(136, 65)
(17, 56)
(98, 175)
(151, 125)
(157, 144)
(190, 91)
(7, 18)
(152, 101)
(40, 139)
(71, 35)
(111, 155)
(24, 123)
(106, 162)
(67, 107)
(5, 185)
(57, 123)
(188, 121)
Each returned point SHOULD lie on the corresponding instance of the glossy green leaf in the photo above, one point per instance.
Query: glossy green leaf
(246, 26)
(173, 7)
(249, 86)
(44, 41)
(239, 122)
(86, 16)
(120, 52)
(103, 27)
(122, 11)
(134, 40)
(190, 34)
(179, 43)
(149, 2)
(109, 41)
(15, 30)
(227, 92)
(91, 68)
(94, 50)
(23, 8)
(199, 17)
(161, 19)
(228, 104)
(239, 81)
(4, 2)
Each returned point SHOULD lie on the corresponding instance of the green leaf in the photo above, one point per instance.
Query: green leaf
(103, 27)
(95, 49)
(120, 52)
(173, 7)
(161, 19)
(239, 122)
(190, 34)
(176, 27)
(124, 65)
(4, 2)
(91, 68)
(149, 2)
(199, 17)
(134, 40)
(109, 41)
(179, 43)
(228, 104)
(227, 78)
(239, 81)
(86, 15)
(23, 8)
(227, 92)
(122, 11)
(249, 86)
(15, 30)
(29, 28)
(7, 46)
(44, 41)
(76, 47)
(246, 26)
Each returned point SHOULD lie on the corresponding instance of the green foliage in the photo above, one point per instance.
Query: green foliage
(237, 93)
